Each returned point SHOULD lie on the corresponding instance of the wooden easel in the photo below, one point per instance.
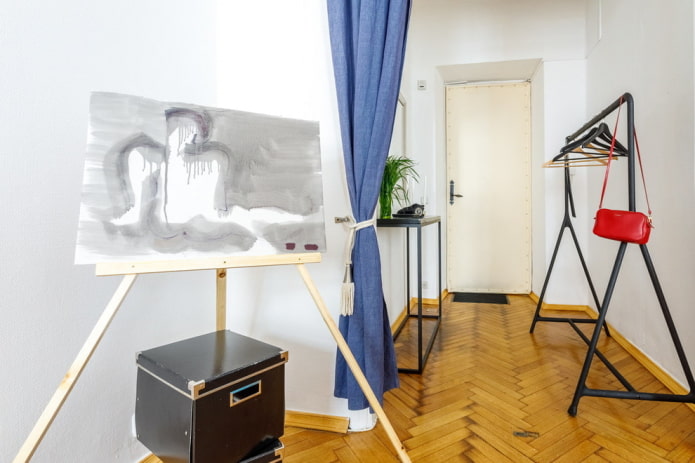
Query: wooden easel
(130, 272)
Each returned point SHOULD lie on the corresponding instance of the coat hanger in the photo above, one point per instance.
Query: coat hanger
(593, 149)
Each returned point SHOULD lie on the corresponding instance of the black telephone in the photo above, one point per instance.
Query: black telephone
(414, 210)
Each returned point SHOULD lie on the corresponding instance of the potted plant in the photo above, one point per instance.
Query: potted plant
(397, 171)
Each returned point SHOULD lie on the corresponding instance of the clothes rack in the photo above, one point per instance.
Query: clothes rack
(599, 136)
(565, 225)
(600, 323)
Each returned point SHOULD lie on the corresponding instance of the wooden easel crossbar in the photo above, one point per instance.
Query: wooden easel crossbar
(130, 272)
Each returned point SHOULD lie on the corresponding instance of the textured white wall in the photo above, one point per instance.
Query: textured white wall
(450, 33)
(53, 54)
(563, 108)
(651, 50)
(244, 56)
(240, 55)
(259, 46)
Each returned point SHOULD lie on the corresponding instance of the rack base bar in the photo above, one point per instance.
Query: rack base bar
(636, 395)
(605, 361)
(582, 390)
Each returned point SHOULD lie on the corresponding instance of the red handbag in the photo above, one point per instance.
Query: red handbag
(627, 226)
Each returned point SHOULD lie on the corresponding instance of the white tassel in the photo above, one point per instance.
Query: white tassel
(347, 302)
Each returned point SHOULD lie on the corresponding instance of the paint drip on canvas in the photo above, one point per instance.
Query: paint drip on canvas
(178, 181)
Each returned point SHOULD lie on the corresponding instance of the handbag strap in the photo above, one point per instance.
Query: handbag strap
(610, 158)
(610, 154)
(644, 183)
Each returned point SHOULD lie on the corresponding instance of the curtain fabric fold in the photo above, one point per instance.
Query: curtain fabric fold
(368, 47)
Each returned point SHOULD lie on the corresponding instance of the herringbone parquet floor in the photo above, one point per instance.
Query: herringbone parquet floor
(488, 378)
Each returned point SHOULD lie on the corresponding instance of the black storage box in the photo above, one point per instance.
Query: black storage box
(215, 398)
(272, 453)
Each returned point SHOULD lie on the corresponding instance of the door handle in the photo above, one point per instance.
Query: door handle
(451, 193)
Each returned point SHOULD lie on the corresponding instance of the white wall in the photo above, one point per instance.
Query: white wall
(650, 49)
(53, 54)
(244, 56)
(563, 112)
(240, 55)
(259, 46)
(450, 33)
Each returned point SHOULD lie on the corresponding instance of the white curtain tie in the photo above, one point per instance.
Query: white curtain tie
(348, 288)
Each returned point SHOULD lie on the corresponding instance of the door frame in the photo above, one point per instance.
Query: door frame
(528, 278)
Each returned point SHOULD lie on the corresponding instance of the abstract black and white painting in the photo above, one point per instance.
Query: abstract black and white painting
(172, 181)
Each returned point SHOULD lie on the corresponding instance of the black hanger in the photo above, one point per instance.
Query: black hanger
(599, 137)
(594, 148)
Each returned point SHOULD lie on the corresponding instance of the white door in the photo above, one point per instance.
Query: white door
(488, 157)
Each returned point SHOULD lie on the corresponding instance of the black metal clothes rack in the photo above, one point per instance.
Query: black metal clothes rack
(600, 323)
(595, 146)
(566, 225)
(418, 223)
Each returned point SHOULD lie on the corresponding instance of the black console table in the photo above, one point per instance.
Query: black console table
(418, 223)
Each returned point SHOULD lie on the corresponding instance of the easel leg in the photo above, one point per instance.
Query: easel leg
(70, 378)
(221, 299)
(352, 363)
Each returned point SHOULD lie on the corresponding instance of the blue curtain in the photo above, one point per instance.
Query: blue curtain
(368, 46)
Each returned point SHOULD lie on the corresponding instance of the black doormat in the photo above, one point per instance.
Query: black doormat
(481, 298)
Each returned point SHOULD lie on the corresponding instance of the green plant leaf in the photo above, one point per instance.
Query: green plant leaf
(397, 171)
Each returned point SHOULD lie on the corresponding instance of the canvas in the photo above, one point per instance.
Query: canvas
(179, 181)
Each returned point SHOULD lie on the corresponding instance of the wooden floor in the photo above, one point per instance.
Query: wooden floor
(488, 378)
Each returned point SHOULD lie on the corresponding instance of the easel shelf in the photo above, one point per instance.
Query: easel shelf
(208, 263)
